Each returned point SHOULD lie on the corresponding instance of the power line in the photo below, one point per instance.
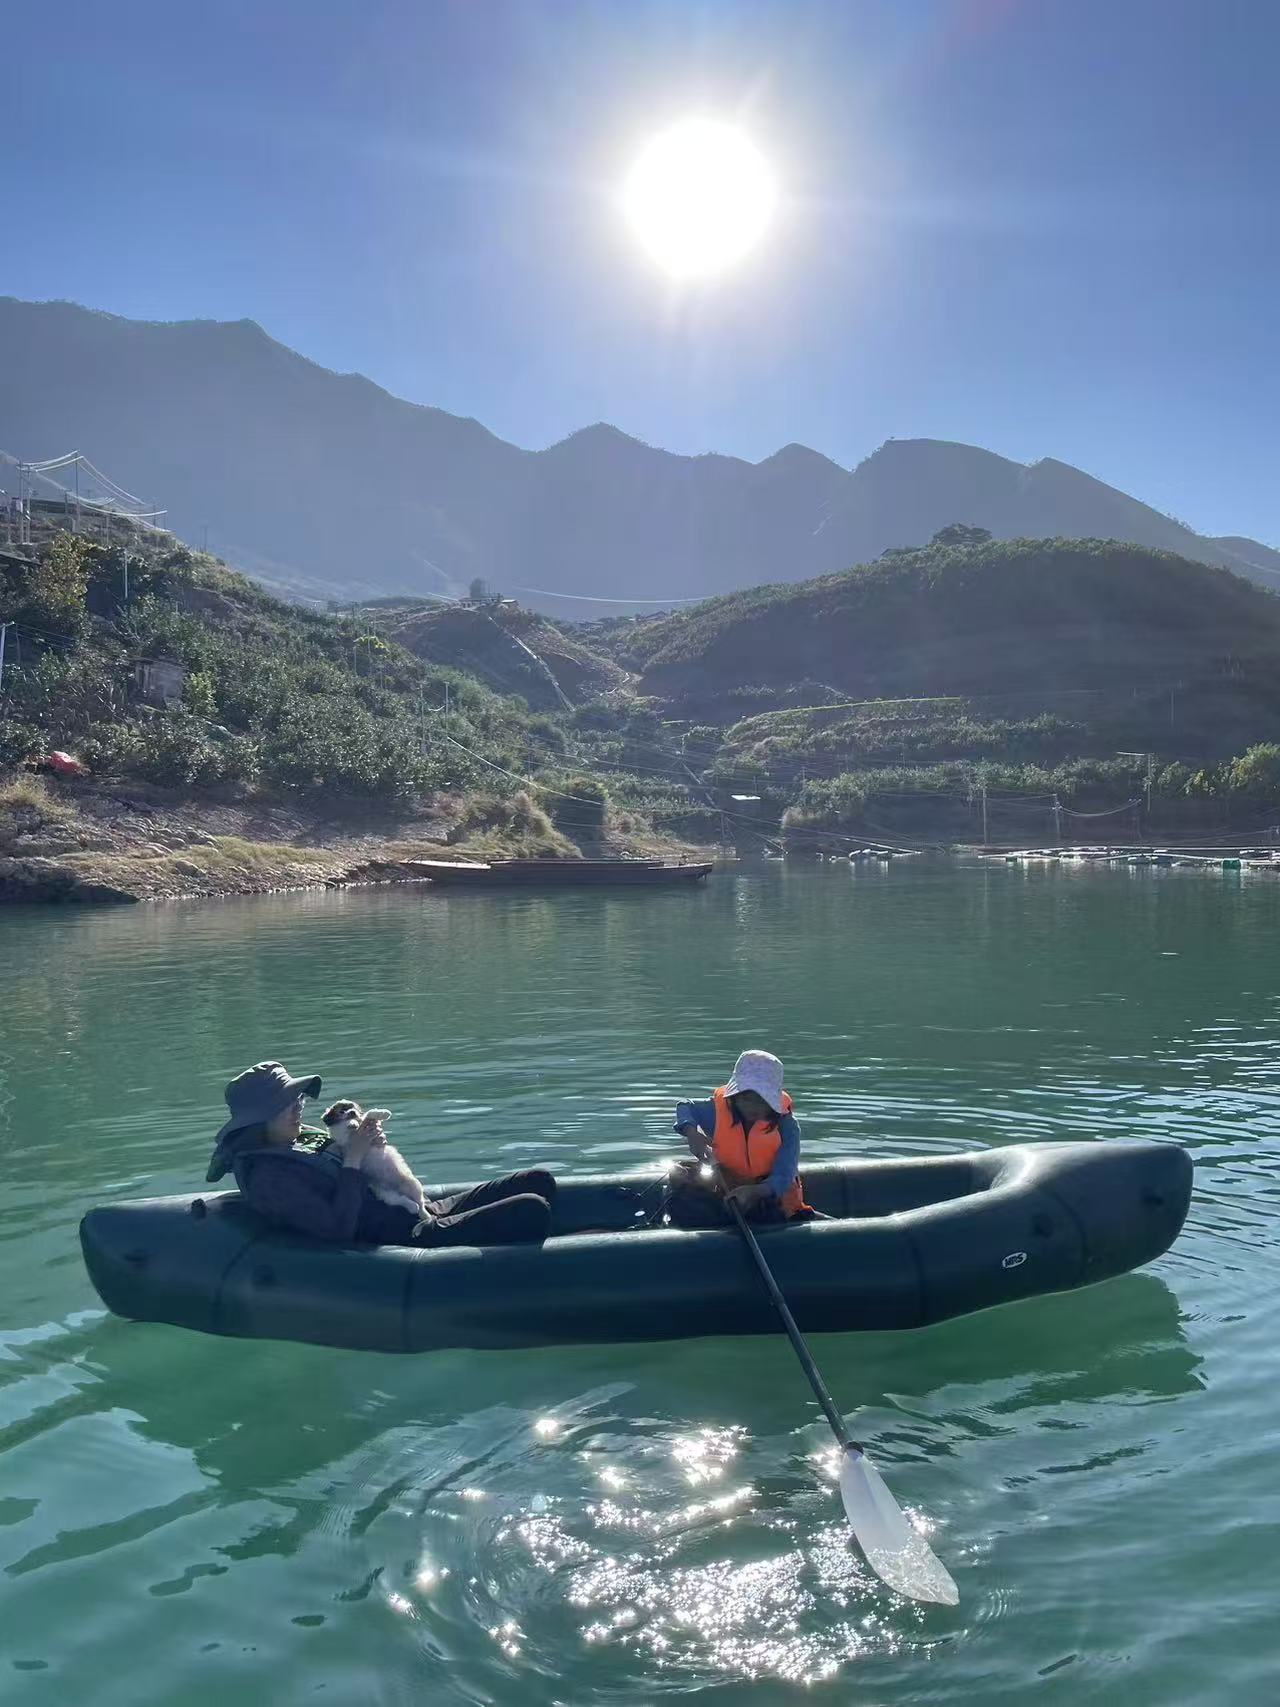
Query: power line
(591, 599)
(527, 781)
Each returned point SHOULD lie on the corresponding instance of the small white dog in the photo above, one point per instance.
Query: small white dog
(390, 1177)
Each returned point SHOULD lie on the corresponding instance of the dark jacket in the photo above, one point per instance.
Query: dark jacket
(307, 1190)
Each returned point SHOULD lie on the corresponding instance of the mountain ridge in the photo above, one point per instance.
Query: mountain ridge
(326, 483)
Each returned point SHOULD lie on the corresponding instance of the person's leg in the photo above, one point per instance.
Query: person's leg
(520, 1220)
(536, 1180)
(690, 1204)
(385, 1223)
(766, 1212)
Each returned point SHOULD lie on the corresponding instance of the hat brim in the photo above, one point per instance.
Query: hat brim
(734, 1088)
(308, 1087)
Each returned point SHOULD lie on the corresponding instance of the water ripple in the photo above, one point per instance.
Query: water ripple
(625, 1524)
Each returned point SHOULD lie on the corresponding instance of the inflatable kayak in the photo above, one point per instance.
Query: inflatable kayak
(910, 1242)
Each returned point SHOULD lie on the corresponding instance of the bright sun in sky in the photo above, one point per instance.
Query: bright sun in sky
(699, 197)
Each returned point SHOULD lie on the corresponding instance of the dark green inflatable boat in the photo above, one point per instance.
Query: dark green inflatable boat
(913, 1241)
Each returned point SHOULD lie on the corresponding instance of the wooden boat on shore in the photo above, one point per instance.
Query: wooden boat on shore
(906, 1242)
(561, 873)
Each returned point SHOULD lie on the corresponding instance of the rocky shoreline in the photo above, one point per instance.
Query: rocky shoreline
(78, 843)
(268, 870)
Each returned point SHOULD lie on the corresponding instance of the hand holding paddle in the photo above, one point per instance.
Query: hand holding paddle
(896, 1551)
(697, 1141)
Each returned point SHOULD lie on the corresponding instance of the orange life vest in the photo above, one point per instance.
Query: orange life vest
(747, 1154)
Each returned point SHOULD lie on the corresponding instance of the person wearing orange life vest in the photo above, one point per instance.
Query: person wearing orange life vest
(747, 1128)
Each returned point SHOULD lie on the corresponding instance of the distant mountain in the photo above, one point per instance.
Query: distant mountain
(324, 483)
(910, 488)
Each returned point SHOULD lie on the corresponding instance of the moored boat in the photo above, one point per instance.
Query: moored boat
(561, 873)
(909, 1242)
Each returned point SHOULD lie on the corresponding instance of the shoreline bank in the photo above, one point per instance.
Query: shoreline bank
(93, 844)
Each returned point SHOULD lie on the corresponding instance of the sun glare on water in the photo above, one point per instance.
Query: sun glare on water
(699, 197)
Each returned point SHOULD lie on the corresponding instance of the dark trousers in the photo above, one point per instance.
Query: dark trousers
(514, 1210)
(690, 1202)
(693, 1205)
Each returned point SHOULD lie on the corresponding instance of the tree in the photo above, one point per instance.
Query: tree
(478, 591)
(1257, 772)
(961, 533)
(198, 695)
(50, 594)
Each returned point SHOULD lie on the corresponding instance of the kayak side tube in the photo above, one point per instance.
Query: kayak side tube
(915, 1241)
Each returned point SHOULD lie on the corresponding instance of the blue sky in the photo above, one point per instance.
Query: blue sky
(1049, 227)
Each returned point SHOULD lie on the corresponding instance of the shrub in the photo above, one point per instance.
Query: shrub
(1174, 780)
(114, 749)
(50, 594)
(241, 763)
(1256, 772)
(175, 751)
(497, 824)
(18, 741)
(579, 807)
(197, 694)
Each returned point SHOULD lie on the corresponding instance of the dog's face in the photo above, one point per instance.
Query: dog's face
(342, 1118)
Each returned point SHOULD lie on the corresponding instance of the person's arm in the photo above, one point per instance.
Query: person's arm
(695, 1122)
(286, 1194)
(787, 1162)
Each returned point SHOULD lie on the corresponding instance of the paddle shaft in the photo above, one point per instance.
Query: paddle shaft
(838, 1427)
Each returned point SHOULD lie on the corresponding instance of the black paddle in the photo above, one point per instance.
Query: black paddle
(892, 1547)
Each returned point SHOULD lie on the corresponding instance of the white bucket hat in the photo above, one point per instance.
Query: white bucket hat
(758, 1071)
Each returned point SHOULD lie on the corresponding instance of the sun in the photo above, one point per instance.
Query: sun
(699, 197)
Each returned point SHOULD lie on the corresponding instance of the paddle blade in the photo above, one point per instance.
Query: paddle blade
(894, 1549)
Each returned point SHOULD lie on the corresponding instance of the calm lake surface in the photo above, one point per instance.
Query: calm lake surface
(188, 1520)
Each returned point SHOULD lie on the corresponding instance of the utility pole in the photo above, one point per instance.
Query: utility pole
(4, 629)
(1149, 759)
(126, 577)
(985, 837)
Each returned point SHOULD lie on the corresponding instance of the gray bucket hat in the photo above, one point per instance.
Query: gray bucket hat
(254, 1097)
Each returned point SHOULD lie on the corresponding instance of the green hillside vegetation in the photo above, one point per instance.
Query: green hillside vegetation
(325, 710)
(1077, 799)
(972, 619)
(494, 641)
(276, 697)
(277, 702)
(846, 704)
(1028, 668)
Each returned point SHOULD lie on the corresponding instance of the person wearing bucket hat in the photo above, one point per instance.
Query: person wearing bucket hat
(262, 1097)
(295, 1177)
(748, 1130)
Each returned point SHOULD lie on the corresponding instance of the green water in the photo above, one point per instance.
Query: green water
(186, 1520)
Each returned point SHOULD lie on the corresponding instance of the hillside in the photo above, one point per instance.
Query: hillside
(511, 650)
(234, 742)
(326, 484)
(229, 741)
(1054, 689)
(989, 618)
(1056, 677)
